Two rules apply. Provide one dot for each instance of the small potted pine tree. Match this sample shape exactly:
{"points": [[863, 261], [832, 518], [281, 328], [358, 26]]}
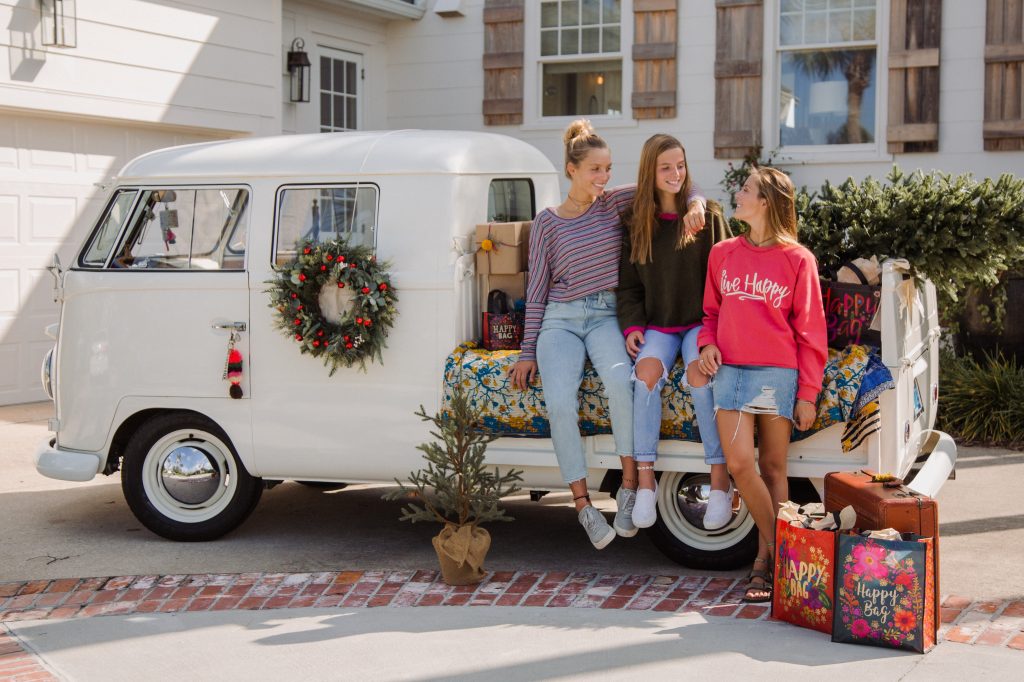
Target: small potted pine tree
{"points": [[455, 489]]}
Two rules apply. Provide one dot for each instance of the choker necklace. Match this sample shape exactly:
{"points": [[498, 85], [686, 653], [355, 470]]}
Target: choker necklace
{"points": [[760, 243], [580, 205]]}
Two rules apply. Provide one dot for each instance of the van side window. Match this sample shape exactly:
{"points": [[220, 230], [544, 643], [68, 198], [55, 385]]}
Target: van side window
{"points": [[95, 254], [510, 201], [187, 229], [320, 214]]}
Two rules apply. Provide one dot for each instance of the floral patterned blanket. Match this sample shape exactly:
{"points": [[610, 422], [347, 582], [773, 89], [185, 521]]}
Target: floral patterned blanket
{"points": [[854, 377]]}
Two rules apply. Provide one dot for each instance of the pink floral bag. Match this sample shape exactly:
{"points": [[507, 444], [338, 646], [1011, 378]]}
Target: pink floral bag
{"points": [[885, 592]]}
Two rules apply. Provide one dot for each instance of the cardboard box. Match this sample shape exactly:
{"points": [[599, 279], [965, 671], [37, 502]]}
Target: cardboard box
{"points": [[508, 253], [513, 285]]}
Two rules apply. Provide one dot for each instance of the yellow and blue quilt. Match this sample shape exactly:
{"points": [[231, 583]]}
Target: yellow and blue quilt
{"points": [[854, 378]]}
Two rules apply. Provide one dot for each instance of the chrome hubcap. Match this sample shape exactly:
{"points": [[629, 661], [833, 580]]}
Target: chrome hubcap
{"points": [[692, 500], [190, 475]]}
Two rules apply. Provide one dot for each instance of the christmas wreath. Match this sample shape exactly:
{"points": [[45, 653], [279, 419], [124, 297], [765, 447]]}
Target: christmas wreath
{"points": [[362, 330]]}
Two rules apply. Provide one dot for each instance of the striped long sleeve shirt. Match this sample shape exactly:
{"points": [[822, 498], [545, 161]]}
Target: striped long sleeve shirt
{"points": [[574, 257]]}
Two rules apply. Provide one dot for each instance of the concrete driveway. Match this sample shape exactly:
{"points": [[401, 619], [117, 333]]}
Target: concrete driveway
{"points": [[53, 529]]}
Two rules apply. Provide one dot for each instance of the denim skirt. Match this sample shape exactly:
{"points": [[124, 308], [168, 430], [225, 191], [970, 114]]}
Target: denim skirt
{"points": [[756, 389]]}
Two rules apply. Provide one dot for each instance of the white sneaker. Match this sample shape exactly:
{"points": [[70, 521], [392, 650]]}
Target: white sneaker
{"points": [[719, 509], [645, 509]]}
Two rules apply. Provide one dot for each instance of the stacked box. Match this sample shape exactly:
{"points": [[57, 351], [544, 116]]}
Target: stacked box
{"points": [[501, 248]]}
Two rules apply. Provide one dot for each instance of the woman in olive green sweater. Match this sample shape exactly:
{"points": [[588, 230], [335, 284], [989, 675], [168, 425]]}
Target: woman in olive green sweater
{"points": [[660, 308]]}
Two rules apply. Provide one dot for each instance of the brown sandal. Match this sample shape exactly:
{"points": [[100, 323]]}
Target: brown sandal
{"points": [[759, 584]]}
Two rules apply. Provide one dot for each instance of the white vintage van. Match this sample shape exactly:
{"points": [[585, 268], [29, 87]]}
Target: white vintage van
{"points": [[181, 256]]}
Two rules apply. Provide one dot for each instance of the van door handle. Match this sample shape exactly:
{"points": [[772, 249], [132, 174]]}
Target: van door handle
{"points": [[235, 326]]}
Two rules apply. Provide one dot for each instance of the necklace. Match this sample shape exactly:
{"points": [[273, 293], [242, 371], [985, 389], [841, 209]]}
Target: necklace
{"points": [[580, 205], [760, 243]]}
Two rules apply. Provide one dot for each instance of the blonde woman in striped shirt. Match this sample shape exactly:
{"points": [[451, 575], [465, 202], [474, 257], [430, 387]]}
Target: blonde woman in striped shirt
{"points": [[571, 315]]}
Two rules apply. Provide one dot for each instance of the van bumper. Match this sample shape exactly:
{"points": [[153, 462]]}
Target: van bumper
{"points": [[66, 465]]}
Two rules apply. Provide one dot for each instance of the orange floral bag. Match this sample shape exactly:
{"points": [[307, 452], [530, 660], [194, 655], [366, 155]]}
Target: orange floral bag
{"points": [[804, 576]]}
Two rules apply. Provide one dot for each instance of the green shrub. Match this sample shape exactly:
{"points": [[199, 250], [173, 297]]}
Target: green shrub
{"points": [[982, 401], [956, 231]]}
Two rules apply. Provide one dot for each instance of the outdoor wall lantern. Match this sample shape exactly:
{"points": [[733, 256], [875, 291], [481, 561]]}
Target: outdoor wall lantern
{"points": [[58, 22], [298, 71]]}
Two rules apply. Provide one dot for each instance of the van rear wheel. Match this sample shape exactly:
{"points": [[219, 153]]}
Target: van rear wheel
{"points": [[183, 480], [679, 530]]}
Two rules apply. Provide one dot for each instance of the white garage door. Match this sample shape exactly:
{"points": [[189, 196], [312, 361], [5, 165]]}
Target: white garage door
{"points": [[48, 198]]}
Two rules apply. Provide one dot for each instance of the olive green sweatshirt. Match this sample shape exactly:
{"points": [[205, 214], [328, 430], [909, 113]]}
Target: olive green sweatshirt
{"points": [[667, 293]]}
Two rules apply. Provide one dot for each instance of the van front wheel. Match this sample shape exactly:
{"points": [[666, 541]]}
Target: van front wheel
{"points": [[679, 530], [184, 481]]}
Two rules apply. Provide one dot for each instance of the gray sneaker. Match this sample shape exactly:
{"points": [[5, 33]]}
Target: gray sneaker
{"points": [[623, 522], [598, 530]]}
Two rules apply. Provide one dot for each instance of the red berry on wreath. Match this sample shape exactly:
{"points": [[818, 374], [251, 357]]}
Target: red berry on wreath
{"points": [[329, 258], [316, 343], [302, 277], [300, 307], [348, 345], [294, 295], [298, 337], [369, 322], [352, 265], [341, 285], [341, 259], [298, 321], [306, 250], [359, 320], [346, 338], [366, 290], [320, 333], [383, 286], [323, 268]]}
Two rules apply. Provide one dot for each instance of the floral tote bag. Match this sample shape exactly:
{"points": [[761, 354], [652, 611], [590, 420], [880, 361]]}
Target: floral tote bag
{"points": [[804, 576]]}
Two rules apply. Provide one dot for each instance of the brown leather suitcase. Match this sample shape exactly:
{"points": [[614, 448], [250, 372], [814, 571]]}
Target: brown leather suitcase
{"points": [[882, 505]]}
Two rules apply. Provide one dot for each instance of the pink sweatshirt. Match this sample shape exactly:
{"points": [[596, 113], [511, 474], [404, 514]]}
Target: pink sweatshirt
{"points": [[762, 306]]}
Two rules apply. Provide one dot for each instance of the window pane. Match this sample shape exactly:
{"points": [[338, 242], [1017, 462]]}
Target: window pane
{"points": [[791, 29], [549, 43], [864, 24], [325, 73], [325, 109], [160, 233], [339, 112], [570, 12], [815, 27], [322, 214], [577, 88], [107, 230], [839, 4], [611, 11], [510, 201], [815, 4], [219, 229], [570, 41], [339, 76], [839, 28], [827, 97], [548, 14], [611, 40], [351, 113], [591, 13], [590, 40], [864, 3], [792, 5], [350, 78]]}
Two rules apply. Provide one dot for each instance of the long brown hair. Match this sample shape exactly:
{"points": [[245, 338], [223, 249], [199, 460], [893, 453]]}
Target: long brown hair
{"points": [[643, 218], [579, 139], [777, 190]]}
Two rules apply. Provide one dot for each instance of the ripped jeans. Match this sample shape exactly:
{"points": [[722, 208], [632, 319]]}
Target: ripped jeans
{"points": [[756, 389], [647, 402]]}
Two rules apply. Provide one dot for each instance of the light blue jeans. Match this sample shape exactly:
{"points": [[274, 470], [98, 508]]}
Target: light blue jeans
{"points": [[647, 402], [572, 331]]}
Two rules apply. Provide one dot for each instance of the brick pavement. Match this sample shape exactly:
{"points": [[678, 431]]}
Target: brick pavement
{"points": [[972, 622]]}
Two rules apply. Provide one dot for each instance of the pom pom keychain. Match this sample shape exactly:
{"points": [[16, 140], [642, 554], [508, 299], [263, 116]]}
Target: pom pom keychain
{"points": [[233, 368]]}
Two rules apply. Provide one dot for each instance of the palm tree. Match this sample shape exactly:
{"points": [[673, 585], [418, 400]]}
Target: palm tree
{"points": [[855, 66]]}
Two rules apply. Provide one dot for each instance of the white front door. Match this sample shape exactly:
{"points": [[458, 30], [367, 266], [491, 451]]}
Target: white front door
{"points": [[341, 90]]}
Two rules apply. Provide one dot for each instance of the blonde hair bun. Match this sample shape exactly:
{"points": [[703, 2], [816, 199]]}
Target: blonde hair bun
{"points": [[581, 127]]}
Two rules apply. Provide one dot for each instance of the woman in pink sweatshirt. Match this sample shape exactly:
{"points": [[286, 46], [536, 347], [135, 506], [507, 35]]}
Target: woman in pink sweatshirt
{"points": [[764, 342]]}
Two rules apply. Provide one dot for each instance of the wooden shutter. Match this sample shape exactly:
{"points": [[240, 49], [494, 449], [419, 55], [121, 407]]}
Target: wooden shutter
{"points": [[503, 62], [654, 58], [739, 42], [914, 30], [1004, 69]]}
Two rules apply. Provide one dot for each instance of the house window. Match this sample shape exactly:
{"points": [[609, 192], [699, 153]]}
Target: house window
{"points": [[581, 57], [340, 76], [827, 61]]}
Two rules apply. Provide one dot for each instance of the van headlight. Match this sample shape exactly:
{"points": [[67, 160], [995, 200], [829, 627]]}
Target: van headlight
{"points": [[46, 373]]}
